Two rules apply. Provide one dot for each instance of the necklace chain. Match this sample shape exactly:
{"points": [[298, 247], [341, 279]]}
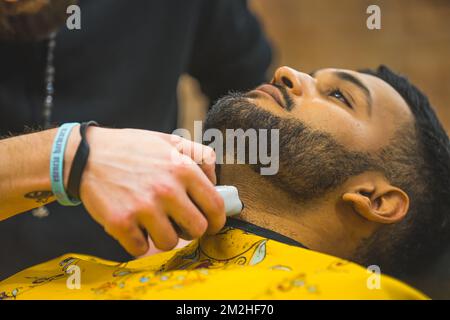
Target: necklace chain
{"points": [[47, 109], [49, 81]]}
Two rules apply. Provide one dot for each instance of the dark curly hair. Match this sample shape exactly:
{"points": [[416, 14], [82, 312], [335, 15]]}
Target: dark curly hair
{"points": [[419, 162]]}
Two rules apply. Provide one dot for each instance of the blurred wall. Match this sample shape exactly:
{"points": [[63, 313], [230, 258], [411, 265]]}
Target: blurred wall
{"points": [[414, 40]]}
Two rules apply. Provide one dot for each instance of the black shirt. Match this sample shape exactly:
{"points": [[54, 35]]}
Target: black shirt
{"points": [[121, 69]]}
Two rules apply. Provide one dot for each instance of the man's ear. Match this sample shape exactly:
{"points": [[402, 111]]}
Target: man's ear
{"points": [[375, 199]]}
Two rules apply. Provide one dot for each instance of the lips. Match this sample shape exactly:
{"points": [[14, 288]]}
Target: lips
{"points": [[273, 92]]}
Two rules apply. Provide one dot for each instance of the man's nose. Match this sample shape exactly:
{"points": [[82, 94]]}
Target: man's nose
{"points": [[297, 83]]}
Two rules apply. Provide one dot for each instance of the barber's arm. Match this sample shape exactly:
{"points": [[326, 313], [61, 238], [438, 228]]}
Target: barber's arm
{"points": [[133, 180], [230, 50]]}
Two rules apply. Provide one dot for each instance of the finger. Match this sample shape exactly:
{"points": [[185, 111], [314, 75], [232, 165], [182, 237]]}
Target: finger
{"points": [[160, 230], [207, 199], [208, 164], [130, 236], [153, 250], [186, 215], [204, 156]]}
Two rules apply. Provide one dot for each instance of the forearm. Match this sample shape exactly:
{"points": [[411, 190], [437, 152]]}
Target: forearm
{"points": [[25, 171], [133, 180]]}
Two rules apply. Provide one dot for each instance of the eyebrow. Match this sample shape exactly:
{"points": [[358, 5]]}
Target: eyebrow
{"points": [[350, 78]]}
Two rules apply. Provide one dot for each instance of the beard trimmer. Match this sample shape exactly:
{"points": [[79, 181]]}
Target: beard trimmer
{"points": [[233, 206], [230, 196]]}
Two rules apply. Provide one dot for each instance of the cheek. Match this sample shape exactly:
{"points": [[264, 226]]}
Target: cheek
{"points": [[344, 126]]}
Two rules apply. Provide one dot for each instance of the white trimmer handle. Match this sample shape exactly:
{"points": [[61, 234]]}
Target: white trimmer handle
{"points": [[230, 195]]}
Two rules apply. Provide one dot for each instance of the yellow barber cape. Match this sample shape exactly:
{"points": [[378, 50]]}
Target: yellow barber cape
{"points": [[234, 264]]}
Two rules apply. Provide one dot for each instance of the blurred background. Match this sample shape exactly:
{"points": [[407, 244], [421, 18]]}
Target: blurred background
{"points": [[414, 40]]}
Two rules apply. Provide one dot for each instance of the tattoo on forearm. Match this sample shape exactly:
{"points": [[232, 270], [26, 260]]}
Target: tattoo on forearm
{"points": [[41, 197]]}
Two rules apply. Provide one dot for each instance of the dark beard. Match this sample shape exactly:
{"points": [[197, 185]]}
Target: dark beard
{"points": [[16, 25], [311, 162]]}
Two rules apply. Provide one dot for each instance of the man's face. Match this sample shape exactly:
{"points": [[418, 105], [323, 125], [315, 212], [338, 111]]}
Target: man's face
{"points": [[30, 20], [331, 124], [360, 111]]}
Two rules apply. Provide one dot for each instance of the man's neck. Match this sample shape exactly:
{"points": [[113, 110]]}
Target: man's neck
{"points": [[272, 208]]}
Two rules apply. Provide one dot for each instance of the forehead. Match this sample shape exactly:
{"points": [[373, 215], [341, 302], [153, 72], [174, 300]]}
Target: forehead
{"points": [[386, 101]]}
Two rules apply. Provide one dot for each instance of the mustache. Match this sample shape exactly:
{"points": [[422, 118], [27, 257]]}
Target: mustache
{"points": [[289, 102], [286, 100]]}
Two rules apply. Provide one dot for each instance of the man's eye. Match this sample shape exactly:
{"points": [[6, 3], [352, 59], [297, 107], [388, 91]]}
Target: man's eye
{"points": [[338, 95]]}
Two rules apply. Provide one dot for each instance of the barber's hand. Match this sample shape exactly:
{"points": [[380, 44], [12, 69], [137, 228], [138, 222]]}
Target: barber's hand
{"points": [[138, 180]]}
